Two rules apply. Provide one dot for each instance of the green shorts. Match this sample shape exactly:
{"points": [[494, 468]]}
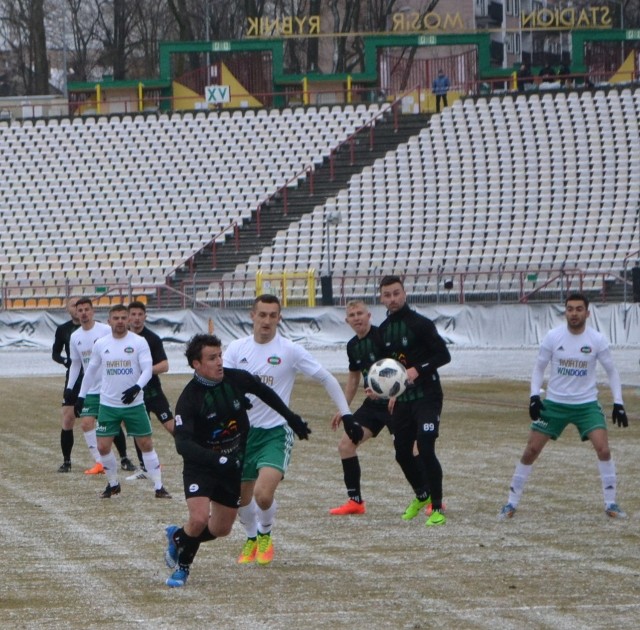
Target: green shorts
{"points": [[555, 417], [136, 421], [267, 447], [91, 406]]}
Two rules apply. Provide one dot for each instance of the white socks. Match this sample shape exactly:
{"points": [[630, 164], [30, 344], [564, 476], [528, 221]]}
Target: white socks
{"points": [[248, 518], [92, 442], [110, 464], [152, 464], [608, 478], [253, 519], [518, 481]]}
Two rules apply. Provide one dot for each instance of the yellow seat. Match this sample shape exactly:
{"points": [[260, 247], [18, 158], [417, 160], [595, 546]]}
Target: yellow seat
{"points": [[43, 302], [141, 298], [103, 300], [16, 303], [31, 303], [55, 302]]}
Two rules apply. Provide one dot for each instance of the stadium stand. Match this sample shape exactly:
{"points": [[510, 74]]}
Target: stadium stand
{"points": [[99, 201], [511, 184]]}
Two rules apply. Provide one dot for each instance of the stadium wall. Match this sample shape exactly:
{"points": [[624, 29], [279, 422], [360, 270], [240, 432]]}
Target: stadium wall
{"points": [[496, 326]]}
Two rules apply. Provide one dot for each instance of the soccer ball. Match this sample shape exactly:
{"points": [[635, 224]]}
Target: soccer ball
{"points": [[387, 378]]}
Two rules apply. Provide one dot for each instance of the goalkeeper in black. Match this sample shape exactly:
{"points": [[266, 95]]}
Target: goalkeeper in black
{"points": [[211, 428], [413, 340]]}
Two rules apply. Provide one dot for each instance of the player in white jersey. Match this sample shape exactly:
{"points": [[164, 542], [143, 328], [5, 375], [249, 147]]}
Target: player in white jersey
{"points": [[276, 361], [121, 363], [573, 351], [80, 347]]}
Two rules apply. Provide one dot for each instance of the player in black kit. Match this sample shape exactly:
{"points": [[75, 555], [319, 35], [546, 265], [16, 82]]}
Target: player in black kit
{"points": [[211, 431], [364, 349], [60, 354], [155, 400], [413, 340]]}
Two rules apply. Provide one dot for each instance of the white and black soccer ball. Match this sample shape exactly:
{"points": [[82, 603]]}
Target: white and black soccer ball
{"points": [[387, 378]]}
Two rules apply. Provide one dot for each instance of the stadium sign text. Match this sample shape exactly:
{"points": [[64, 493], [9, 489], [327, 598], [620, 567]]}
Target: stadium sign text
{"points": [[591, 17], [215, 94], [412, 22], [288, 26]]}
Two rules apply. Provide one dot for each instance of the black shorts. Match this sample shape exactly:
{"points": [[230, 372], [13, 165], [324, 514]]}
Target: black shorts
{"points": [[201, 481], [159, 406], [374, 416], [417, 417]]}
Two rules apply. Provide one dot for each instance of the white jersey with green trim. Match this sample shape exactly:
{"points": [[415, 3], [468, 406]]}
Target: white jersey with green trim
{"points": [[573, 359], [277, 363], [81, 345], [120, 363]]}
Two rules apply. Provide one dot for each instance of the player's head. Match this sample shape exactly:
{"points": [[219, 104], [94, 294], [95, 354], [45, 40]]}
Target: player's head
{"points": [[204, 355], [265, 315], [392, 293], [576, 312], [119, 320], [358, 317], [84, 311], [137, 316], [71, 308]]}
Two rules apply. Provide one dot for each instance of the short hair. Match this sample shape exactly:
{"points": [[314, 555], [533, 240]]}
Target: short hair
{"points": [[84, 300], [354, 303], [577, 297], [137, 304], [389, 280], [267, 298], [116, 308], [195, 345]]}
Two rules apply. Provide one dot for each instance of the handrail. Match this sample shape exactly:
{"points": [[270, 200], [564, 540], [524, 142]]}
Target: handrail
{"points": [[307, 169]]}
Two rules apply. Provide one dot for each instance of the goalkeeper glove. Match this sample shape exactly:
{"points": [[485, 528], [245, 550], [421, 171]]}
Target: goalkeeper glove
{"points": [[535, 407], [129, 395], [352, 428], [619, 416], [299, 426]]}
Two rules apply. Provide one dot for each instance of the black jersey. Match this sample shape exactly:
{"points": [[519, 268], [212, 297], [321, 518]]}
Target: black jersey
{"points": [[413, 340], [153, 387], [61, 343], [211, 418], [363, 353]]}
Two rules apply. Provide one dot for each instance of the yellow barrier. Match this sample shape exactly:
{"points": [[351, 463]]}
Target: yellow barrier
{"points": [[283, 277]]}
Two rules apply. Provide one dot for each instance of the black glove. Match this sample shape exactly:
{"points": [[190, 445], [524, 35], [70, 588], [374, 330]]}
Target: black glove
{"points": [[299, 426], [228, 463], [69, 397], [129, 395], [619, 416], [352, 428], [535, 407], [77, 407]]}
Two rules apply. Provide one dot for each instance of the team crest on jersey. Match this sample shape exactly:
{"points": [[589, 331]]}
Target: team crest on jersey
{"points": [[236, 404], [405, 342], [274, 360], [372, 357], [244, 360], [128, 350], [585, 349]]}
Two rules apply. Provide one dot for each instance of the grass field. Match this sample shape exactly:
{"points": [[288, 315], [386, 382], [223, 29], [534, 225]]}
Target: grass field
{"points": [[71, 560]]}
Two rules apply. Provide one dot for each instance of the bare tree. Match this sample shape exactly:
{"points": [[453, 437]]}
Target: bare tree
{"points": [[27, 40]]}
